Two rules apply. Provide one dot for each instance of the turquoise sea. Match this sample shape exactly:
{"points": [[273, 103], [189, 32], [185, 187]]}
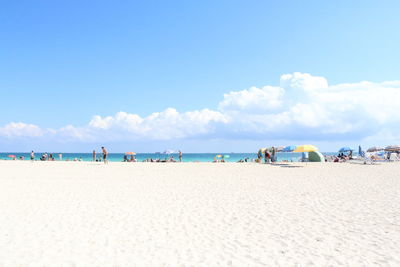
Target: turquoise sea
{"points": [[187, 157]]}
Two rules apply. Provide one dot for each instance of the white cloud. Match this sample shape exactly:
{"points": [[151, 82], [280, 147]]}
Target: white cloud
{"points": [[167, 124], [19, 129], [310, 107], [301, 107], [303, 81], [254, 99]]}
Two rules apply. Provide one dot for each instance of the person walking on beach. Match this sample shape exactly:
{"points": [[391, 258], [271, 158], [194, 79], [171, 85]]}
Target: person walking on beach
{"points": [[180, 156], [105, 154], [32, 155], [94, 155]]}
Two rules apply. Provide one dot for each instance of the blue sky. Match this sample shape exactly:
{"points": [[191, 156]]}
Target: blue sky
{"points": [[64, 62]]}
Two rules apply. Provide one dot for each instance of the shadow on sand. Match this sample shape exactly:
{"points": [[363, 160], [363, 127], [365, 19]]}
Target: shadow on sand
{"points": [[286, 165]]}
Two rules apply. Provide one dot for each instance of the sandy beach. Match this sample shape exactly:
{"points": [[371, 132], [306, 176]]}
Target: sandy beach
{"points": [[199, 214]]}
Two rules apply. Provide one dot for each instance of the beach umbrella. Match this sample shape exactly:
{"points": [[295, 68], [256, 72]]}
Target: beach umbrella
{"points": [[12, 156], [306, 148], [279, 148], [130, 153], [226, 156], [392, 148], [346, 149], [375, 148], [289, 148], [219, 156]]}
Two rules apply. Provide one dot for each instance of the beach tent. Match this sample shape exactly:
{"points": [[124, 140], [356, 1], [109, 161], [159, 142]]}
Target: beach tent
{"points": [[306, 148], [315, 156], [130, 153]]}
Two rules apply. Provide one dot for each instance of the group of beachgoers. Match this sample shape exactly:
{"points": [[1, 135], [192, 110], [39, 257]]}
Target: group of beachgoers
{"points": [[167, 159], [102, 157], [131, 157], [341, 157], [373, 156], [269, 155], [50, 157], [44, 157]]}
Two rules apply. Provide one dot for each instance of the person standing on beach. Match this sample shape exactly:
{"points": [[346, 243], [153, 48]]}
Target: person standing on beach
{"points": [[105, 154], [94, 155], [180, 156], [273, 155], [267, 156], [32, 155]]}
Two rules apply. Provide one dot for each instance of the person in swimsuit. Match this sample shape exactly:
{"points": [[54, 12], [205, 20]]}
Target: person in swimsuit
{"points": [[105, 154], [32, 155]]}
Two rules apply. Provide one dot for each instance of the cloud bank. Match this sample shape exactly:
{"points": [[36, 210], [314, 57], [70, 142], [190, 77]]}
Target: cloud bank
{"points": [[302, 107]]}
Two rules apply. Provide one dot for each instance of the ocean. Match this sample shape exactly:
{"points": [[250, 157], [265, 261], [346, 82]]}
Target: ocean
{"points": [[187, 157]]}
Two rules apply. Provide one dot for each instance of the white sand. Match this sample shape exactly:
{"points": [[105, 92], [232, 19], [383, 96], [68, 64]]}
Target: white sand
{"points": [[198, 214]]}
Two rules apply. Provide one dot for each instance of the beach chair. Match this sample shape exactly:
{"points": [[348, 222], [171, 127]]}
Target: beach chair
{"points": [[377, 158], [362, 158], [394, 157]]}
